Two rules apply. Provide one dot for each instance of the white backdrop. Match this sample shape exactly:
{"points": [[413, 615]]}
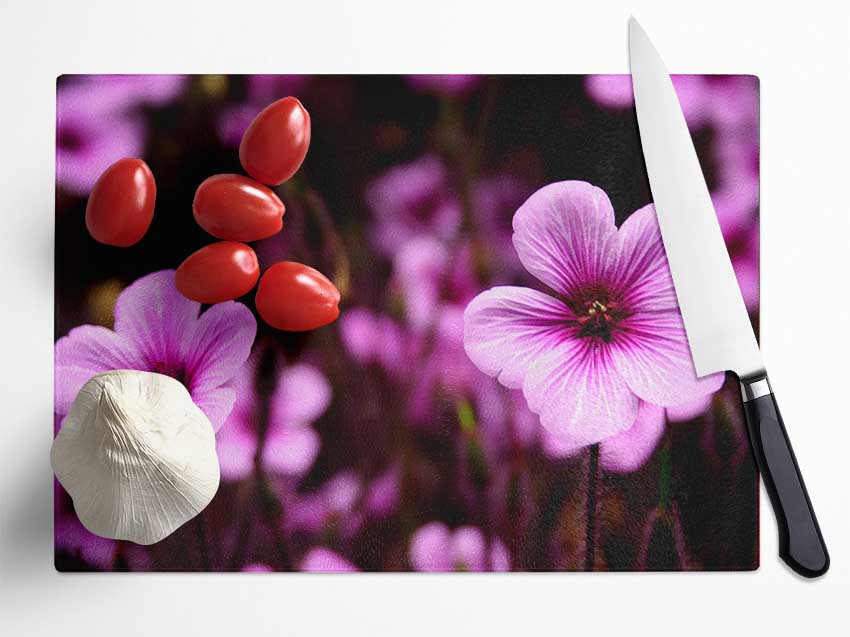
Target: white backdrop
{"points": [[803, 58]]}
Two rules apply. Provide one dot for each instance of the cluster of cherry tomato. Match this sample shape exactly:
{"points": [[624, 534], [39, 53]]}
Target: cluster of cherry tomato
{"points": [[236, 209]]}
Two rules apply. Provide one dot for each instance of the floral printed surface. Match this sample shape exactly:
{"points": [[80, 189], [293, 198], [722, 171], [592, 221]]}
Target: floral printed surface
{"points": [[508, 386]]}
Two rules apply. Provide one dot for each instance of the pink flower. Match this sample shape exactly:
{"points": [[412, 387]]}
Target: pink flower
{"points": [[98, 122], [434, 548], [375, 338], [623, 453], [629, 450], [412, 200], [322, 560], [157, 329], [384, 492], [335, 506], [613, 335], [615, 92], [301, 396]]}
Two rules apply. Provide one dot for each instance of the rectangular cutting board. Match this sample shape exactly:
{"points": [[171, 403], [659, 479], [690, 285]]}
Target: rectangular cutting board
{"points": [[421, 431]]}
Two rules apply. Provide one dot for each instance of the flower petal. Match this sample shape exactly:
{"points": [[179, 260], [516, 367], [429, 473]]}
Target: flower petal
{"points": [[469, 549], [641, 270], [322, 560], [652, 355], [301, 396], [564, 235], [215, 402], [291, 450], [629, 450], [507, 328], [156, 318], [88, 350], [70, 535], [430, 548], [218, 344], [236, 446], [578, 392], [690, 410]]}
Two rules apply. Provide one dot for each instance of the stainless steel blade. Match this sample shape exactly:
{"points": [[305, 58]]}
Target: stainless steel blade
{"points": [[719, 331]]}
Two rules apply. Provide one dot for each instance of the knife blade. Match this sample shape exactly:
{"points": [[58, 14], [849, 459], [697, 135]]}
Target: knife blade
{"points": [[719, 332]]}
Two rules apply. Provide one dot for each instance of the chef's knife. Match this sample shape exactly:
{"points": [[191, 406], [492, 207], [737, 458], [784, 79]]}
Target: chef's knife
{"points": [[719, 331]]}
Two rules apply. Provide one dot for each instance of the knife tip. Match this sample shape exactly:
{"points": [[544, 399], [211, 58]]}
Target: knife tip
{"points": [[634, 27]]}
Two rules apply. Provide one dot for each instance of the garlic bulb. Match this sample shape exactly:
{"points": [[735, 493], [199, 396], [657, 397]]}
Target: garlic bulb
{"points": [[136, 455]]}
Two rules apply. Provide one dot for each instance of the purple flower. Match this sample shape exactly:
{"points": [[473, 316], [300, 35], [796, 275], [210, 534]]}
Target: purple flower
{"points": [[372, 338], [629, 450], [436, 548], [322, 560], [495, 199], [384, 492], [98, 123], [615, 92], [302, 395], [419, 272], [613, 335], [333, 507], [448, 85], [625, 452], [444, 370], [157, 329], [412, 200]]}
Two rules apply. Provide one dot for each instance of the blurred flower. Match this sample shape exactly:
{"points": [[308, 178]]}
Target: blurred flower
{"points": [[71, 537], [412, 201], [157, 329], [504, 419], [261, 90], [419, 270], [333, 508], [434, 547], [98, 122], [444, 369], [290, 445], [384, 492], [448, 85], [322, 560], [615, 92], [613, 338], [732, 101], [375, 338], [736, 200], [495, 199]]}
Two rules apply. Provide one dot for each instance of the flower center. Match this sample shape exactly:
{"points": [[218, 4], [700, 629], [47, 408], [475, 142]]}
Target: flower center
{"points": [[599, 319], [178, 371]]}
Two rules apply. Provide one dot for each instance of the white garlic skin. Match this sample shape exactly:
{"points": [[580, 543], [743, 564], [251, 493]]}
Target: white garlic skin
{"points": [[136, 455]]}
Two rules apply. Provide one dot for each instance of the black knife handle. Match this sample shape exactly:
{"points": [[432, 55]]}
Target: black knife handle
{"points": [[801, 544]]}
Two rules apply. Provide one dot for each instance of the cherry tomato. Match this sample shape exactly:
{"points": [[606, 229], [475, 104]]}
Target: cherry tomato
{"points": [[276, 142], [296, 298], [120, 207], [218, 272], [237, 208]]}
